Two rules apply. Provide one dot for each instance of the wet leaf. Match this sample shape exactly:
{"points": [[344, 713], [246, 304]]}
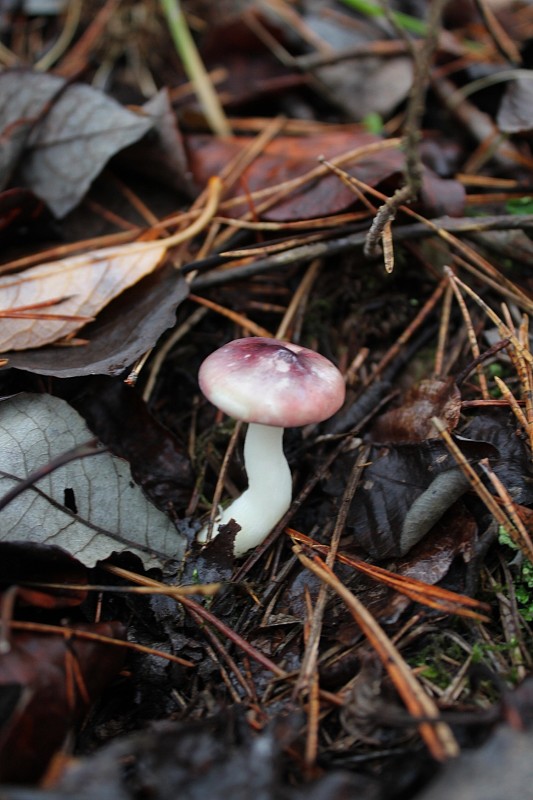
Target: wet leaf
{"points": [[89, 507], [405, 490], [56, 679], [24, 562], [20, 112], [59, 136], [160, 155], [254, 74], [370, 85], [288, 157], [513, 465], [128, 327], [411, 422], [441, 196], [121, 420], [77, 287], [453, 536]]}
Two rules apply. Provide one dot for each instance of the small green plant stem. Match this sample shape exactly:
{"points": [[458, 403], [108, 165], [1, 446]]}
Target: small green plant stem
{"points": [[405, 21], [194, 67]]}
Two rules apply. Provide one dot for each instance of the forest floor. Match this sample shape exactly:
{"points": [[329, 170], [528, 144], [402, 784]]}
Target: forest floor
{"points": [[350, 177]]}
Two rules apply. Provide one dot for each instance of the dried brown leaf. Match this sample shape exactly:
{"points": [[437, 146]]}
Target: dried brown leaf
{"points": [[78, 286]]}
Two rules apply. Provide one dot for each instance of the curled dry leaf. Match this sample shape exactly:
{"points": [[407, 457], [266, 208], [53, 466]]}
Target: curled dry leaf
{"points": [[77, 287]]}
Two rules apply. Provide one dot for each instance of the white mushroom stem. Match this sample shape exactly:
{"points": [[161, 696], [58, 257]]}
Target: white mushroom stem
{"points": [[269, 491]]}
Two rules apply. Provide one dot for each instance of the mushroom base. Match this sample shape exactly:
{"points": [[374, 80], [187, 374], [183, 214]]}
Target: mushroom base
{"points": [[269, 491]]}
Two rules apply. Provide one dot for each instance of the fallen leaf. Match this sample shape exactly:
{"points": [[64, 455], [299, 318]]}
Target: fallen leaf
{"points": [[370, 85], [128, 327], [497, 428], [120, 418], [79, 286], [515, 114], [57, 137], [412, 420], [19, 113], [289, 157], [112, 514], [22, 563], [56, 678], [160, 155], [253, 74], [405, 490]]}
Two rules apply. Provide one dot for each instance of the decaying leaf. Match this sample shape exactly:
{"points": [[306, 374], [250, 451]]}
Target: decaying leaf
{"points": [[52, 681], [378, 84], [405, 490], [121, 419], [111, 513], [79, 286], [289, 157], [286, 157], [411, 422], [24, 563], [56, 137]]}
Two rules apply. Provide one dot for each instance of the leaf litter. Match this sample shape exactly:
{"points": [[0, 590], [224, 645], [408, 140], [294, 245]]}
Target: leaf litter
{"points": [[282, 667]]}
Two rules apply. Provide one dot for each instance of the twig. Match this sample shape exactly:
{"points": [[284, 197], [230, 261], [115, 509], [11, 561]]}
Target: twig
{"points": [[66, 36], [73, 633], [474, 346], [499, 514], [415, 109], [442, 226], [433, 596], [239, 319], [159, 358], [310, 656], [505, 45], [205, 615], [443, 332]]}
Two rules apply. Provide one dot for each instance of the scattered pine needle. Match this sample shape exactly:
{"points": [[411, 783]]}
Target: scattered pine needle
{"points": [[437, 735], [432, 596]]}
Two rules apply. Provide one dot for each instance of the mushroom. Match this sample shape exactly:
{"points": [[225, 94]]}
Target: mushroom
{"points": [[271, 385]]}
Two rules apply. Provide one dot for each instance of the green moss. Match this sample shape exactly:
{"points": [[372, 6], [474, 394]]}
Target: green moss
{"points": [[523, 580]]}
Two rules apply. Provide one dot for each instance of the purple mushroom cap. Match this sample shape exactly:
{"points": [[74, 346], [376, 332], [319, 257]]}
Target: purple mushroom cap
{"points": [[272, 382]]}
